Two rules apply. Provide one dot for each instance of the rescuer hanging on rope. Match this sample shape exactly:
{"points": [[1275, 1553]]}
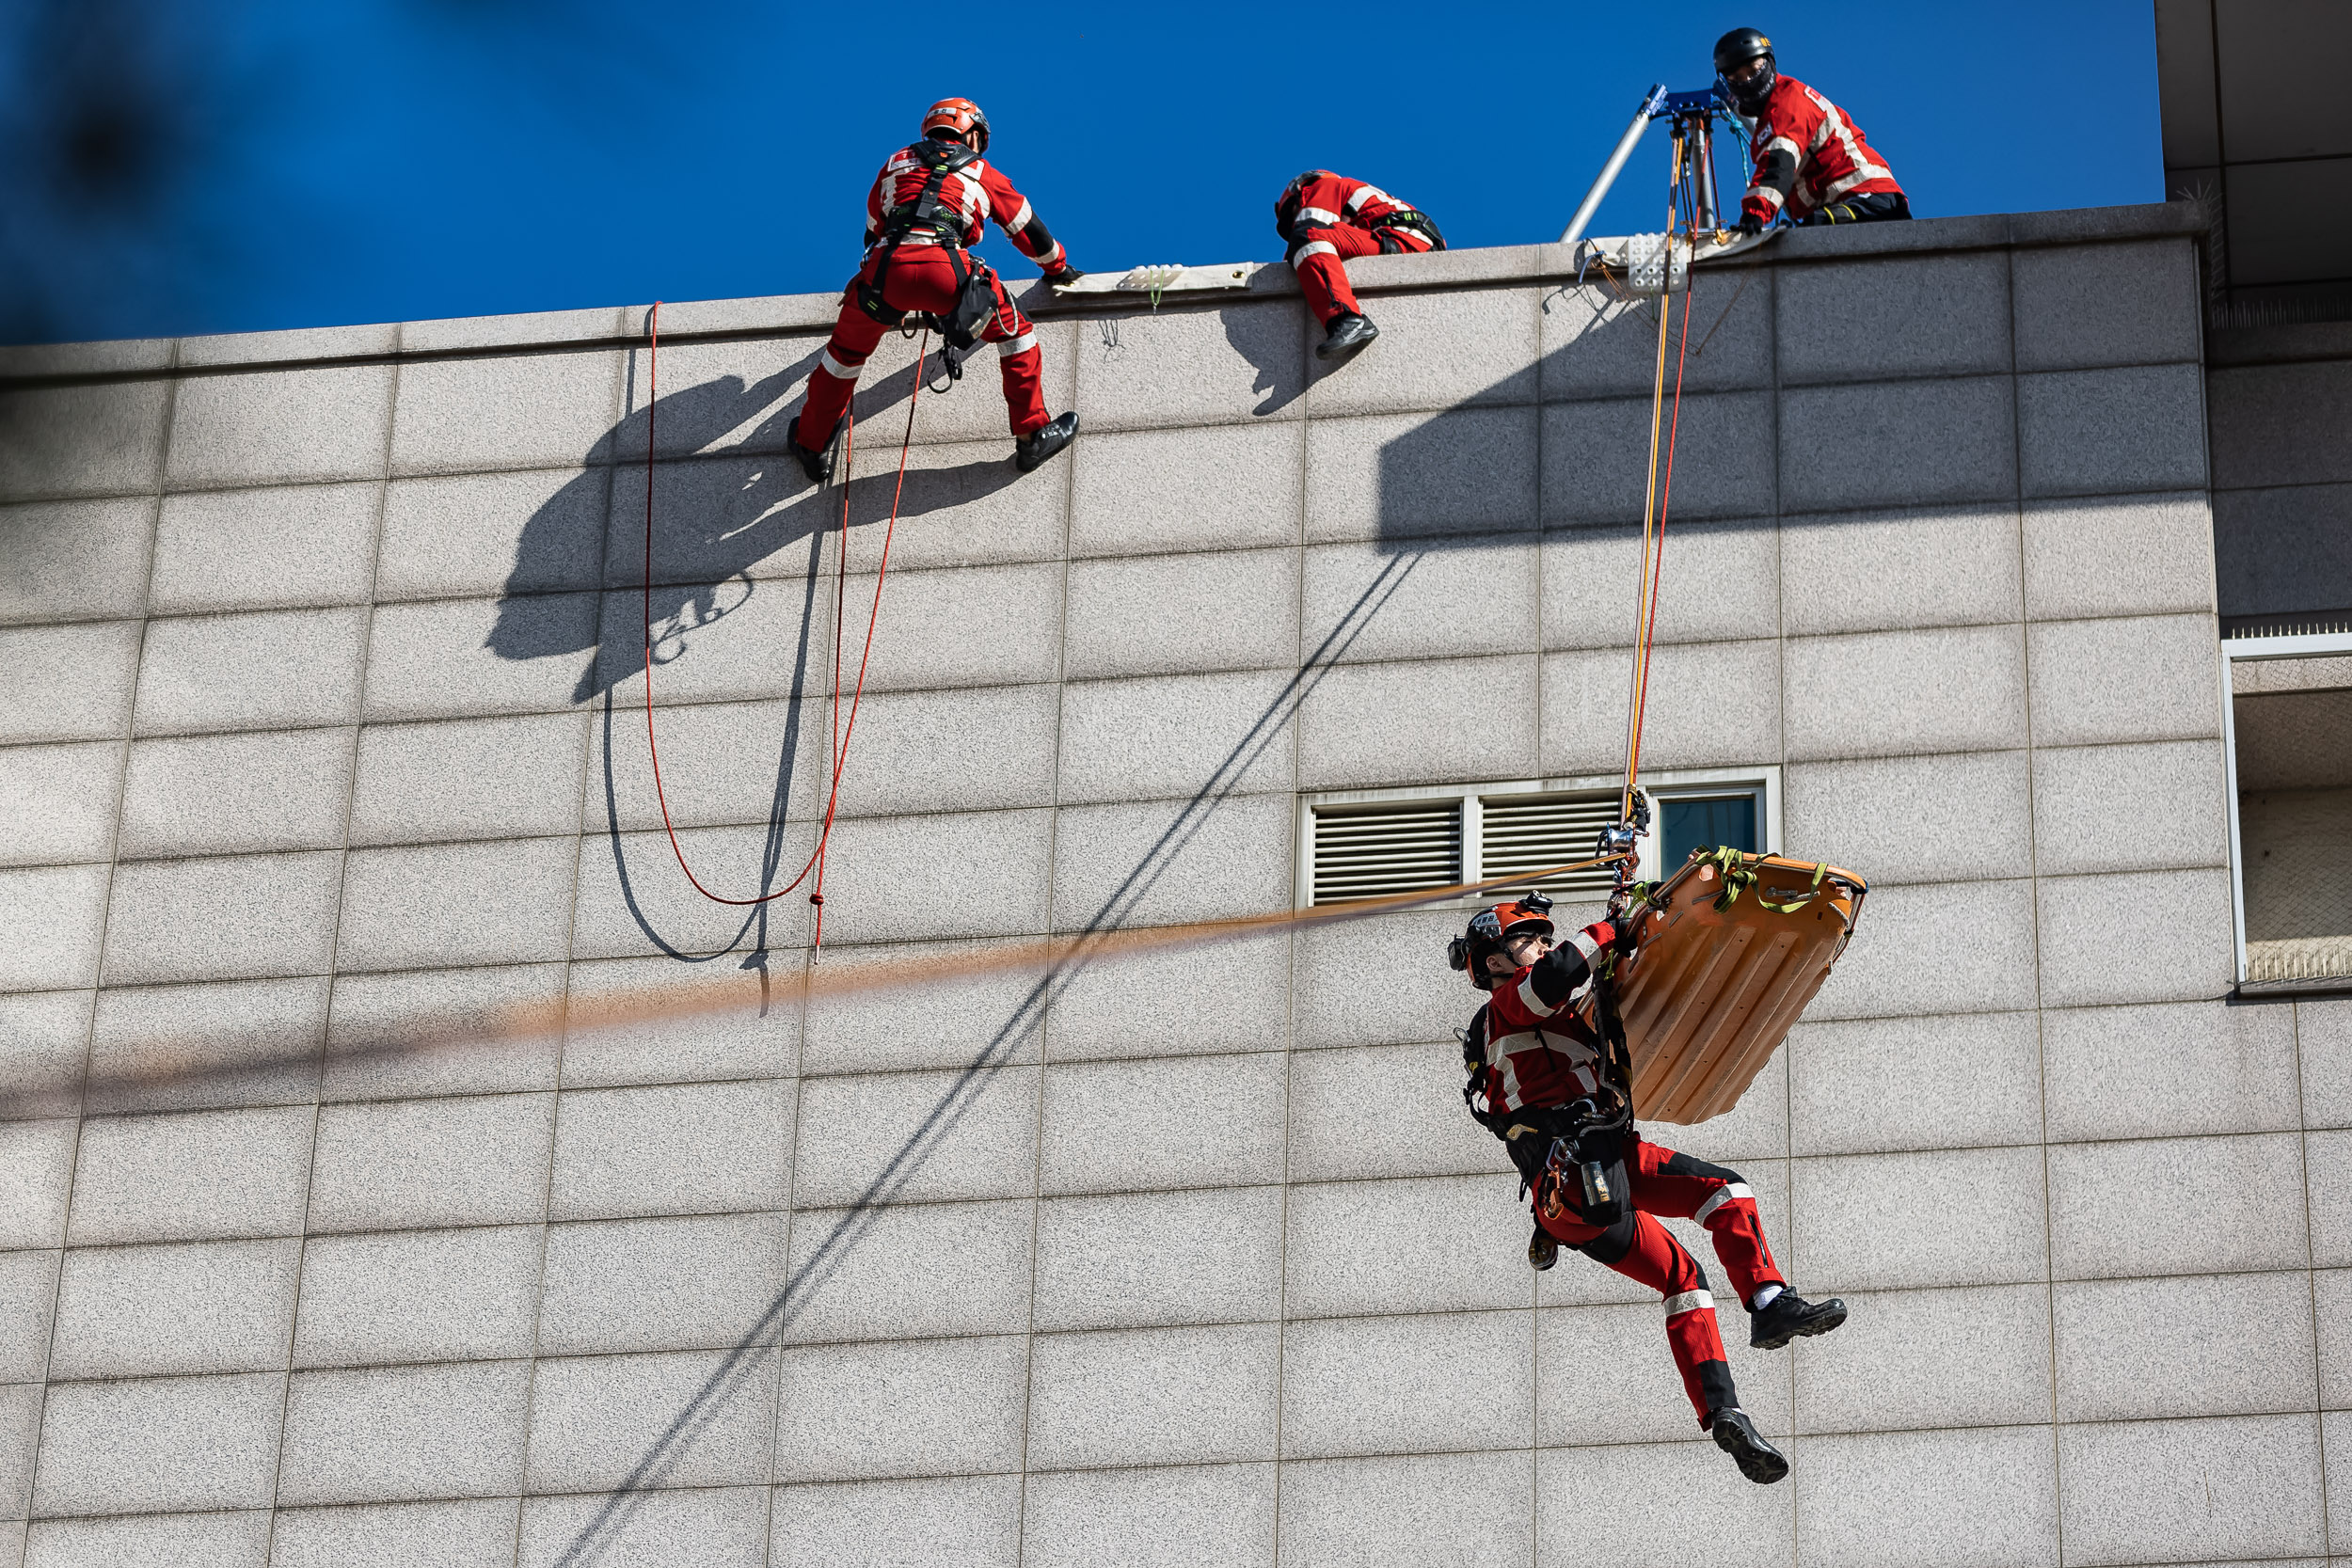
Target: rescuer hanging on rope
{"points": [[1811, 160], [1325, 218], [929, 204], [1556, 1093]]}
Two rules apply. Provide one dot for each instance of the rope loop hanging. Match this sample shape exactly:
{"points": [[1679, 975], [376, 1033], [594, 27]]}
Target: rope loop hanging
{"points": [[843, 729]]}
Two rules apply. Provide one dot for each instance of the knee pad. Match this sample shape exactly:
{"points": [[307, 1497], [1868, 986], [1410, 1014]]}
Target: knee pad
{"points": [[1683, 1164], [1611, 1245]]}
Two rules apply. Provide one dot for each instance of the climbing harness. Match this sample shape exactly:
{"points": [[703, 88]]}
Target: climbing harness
{"points": [[842, 730]]}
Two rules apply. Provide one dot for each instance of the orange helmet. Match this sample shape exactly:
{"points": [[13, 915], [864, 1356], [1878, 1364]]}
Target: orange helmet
{"points": [[1490, 929], [962, 116]]}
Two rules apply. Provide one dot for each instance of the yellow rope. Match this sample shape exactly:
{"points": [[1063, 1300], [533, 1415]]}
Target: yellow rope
{"points": [[1639, 697]]}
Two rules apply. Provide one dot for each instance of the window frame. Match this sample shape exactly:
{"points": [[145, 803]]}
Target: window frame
{"points": [[2259, 650], [1763, 782]]}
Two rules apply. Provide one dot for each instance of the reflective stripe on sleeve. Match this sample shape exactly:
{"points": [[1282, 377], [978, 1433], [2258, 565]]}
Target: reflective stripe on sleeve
{"points": [[1533, 1002], [1839, 188], [1689, 1301], [1370, 193], [1323, 217], [1314, 248], [1729, 1191], [1021, 219]]}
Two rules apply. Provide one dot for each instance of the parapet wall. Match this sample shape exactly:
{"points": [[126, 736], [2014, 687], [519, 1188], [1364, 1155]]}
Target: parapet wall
{"points": [[327, 656]]}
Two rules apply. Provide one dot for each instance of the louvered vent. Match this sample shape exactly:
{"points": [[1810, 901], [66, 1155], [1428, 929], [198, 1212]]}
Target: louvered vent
{"points": [[1526, 833], [1364, 852]]}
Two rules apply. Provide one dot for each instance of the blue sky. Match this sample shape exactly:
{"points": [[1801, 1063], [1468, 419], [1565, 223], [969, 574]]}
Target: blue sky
{"points": [[368, 160]]}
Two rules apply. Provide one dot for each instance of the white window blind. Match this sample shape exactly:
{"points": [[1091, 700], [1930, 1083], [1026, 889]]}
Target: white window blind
{"points": [[1364, 843], [1364, 852], [1527, 833]]}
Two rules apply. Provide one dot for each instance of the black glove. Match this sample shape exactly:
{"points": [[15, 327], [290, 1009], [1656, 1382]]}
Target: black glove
{"points": [[1065, 277], [1751, 224]]}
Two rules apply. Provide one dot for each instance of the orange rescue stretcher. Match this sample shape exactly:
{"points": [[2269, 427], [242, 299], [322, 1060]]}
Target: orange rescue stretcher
{"points": [[1726, 953]]}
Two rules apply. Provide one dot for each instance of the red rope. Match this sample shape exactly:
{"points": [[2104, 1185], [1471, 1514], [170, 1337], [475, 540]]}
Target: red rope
{"points": [[842, 730]]}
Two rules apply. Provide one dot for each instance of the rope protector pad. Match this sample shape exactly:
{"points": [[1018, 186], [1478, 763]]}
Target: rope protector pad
{"points": [[1657, 263], [1725, 954], [1169, 278]]}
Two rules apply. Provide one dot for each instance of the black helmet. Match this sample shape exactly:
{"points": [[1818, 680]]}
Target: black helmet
{"points": [[1490, 929], [1734, 50]]}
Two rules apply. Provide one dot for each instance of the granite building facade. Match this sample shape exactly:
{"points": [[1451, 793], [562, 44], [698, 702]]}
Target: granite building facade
{"points": [[327, 658]]}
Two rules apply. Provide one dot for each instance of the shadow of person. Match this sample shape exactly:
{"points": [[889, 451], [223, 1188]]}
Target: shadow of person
{"points": [[718, 513], [1275, 346], [729, 512]]}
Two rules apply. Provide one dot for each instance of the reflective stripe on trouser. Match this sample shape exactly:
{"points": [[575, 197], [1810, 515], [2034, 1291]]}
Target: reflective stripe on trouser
{"points": [[1319, 257], [1677, 1185], [1664, 1182], [1640, 1248], [922, 278]]}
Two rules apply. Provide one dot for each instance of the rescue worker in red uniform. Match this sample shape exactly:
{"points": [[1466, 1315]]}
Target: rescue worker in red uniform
{"points": [[1325, 218], [1811, 160], [931, 203], [1555, 1097]]}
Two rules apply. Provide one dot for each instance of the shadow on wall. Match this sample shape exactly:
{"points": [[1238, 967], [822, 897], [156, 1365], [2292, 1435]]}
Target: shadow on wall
{"points": [[710, 1402], [719, 512], [1477, 475]]}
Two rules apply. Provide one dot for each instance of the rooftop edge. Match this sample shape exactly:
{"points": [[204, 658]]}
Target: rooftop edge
{"points": [[785, 314]]}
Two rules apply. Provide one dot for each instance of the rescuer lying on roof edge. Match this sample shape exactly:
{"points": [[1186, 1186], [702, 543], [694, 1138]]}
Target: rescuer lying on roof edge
{"points": [[1557, 1099], [929, 204], [1811, 160], [1325, 218]]}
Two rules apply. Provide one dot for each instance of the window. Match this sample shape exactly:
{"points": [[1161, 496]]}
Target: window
{"points": [[2290, 744], [1704, 822], [1365, 843]]}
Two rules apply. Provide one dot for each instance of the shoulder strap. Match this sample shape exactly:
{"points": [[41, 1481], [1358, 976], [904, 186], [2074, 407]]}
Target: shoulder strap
{"points": [[943, 159]]}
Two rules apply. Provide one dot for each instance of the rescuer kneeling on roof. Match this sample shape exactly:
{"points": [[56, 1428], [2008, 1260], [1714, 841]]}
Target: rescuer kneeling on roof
{"points": [[1325, 218], [1559, 1101], [1811, 160], [929, 204]]}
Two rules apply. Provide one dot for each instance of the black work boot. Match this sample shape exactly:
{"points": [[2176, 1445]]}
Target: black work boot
{"points": [[817, 465], [1044, 442], [1347, 331], [1789, 1316], [1737, 1435], [1543, 1249]]}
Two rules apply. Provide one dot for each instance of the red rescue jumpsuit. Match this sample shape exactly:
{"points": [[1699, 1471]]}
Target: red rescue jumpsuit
{"points": [[922, 271], [1809, 156], [1326, 218], [1540, 1055]]}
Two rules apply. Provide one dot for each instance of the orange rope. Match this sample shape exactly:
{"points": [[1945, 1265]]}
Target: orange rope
{"points": [[159, 1063], [1656, 500]]}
